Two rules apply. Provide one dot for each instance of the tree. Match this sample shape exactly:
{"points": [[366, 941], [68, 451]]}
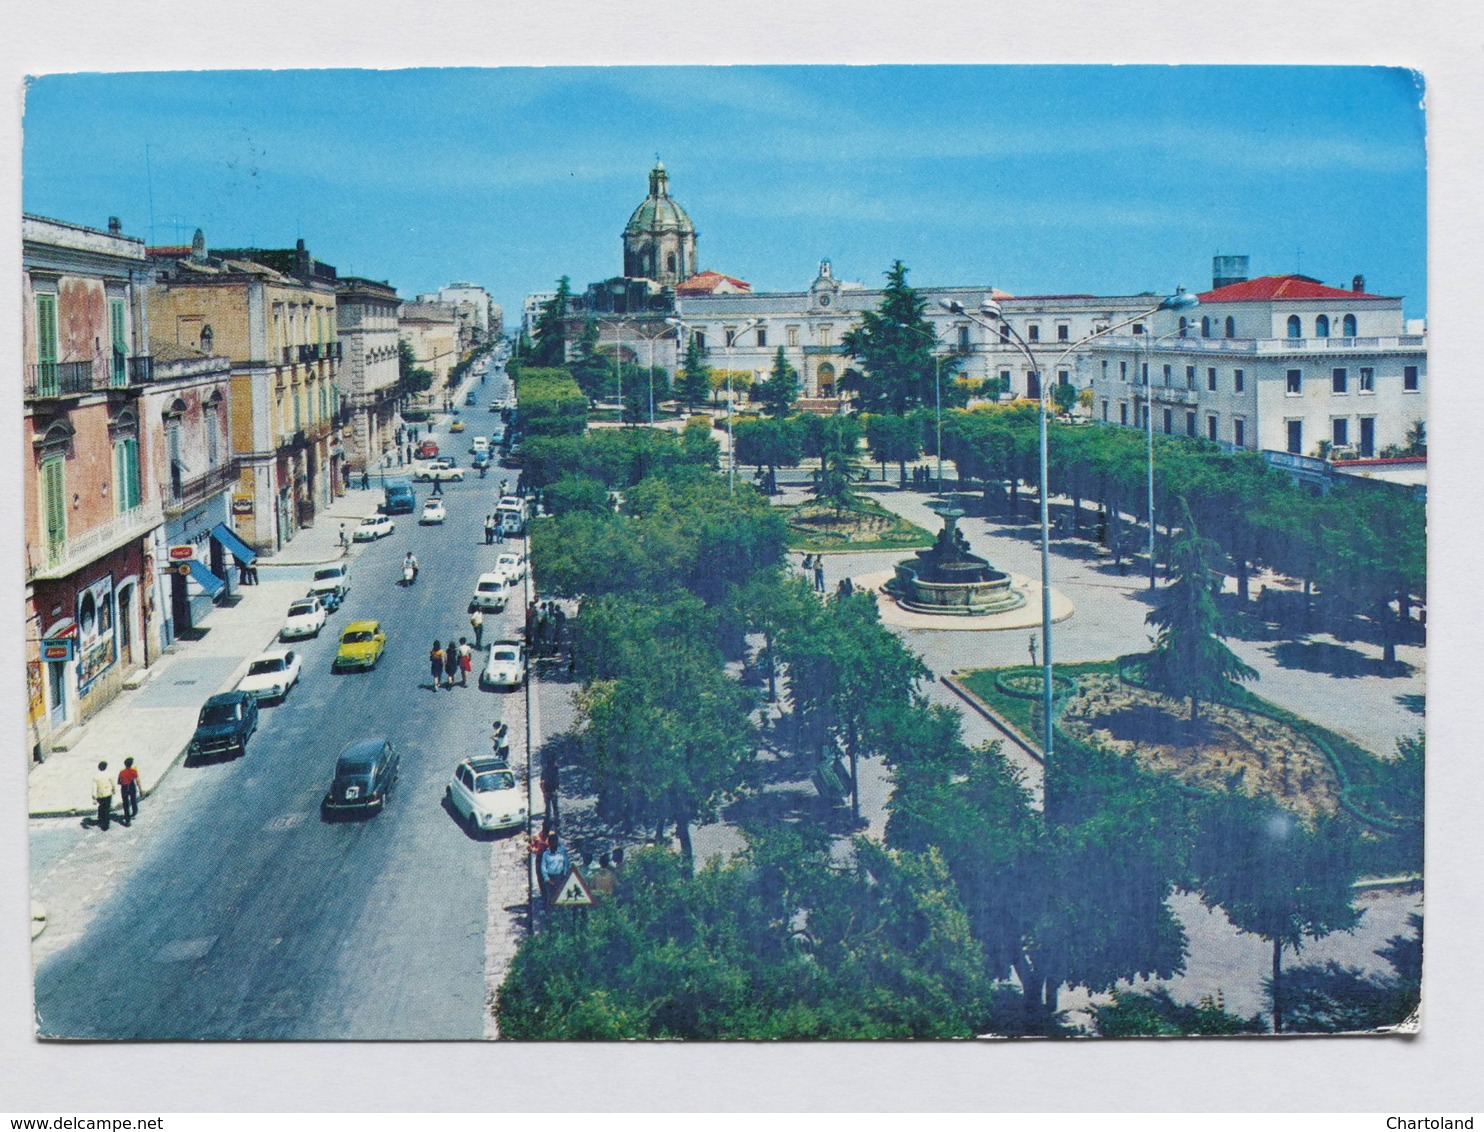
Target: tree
{"points": [[414, 378], [1190, 659], [894, 439], [592, 369], [779, 392], [1155, 1013], [1332, 999], [1064, 394], [1275, 877], [551, 404], [770, 444], [894, 344], [550, 348], [836, 439], [694, 386], [577, 493]]}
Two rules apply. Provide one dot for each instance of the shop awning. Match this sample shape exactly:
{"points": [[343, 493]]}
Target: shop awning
{"points": [[205, 578], [228, 538]]}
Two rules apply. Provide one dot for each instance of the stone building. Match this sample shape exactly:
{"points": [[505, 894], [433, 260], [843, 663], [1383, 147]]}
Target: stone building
{"points": [[370, 366], [659, 241], [432, 330]]}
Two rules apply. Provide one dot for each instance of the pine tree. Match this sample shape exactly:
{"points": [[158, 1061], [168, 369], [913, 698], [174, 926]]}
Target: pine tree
{"points": [[695, 376], [779, 392], [894, 344], [551, 334]]}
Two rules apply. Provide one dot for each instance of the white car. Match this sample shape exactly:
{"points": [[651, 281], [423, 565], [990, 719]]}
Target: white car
{"points": [[272, 674], [491, 592], [511, 503], [481, 444], [374, 527], [512, 565], [306, 618], [440, 467], [507, 665], [486, 794], [433, 511]]}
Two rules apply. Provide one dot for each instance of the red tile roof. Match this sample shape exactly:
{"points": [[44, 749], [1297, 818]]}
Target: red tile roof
{"points": [[177, 250], [1271, 287], [706, 282]]}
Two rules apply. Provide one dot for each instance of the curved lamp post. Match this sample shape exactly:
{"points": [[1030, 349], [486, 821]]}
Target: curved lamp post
{"points": [[617, 362], [1149, 343], [651, 338], [731, 342], [989, 312]]}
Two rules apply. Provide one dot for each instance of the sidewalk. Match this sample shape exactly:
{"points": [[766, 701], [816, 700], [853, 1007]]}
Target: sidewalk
{"points": [[154, 722]]}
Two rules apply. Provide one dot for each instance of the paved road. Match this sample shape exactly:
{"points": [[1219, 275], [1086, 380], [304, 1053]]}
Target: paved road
{"points": [[230, 910]]}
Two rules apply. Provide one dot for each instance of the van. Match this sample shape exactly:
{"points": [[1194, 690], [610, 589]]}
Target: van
{"points": [[399, 499]]}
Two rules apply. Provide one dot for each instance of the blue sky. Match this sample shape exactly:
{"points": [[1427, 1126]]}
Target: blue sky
{"points": [[1044, 179]]}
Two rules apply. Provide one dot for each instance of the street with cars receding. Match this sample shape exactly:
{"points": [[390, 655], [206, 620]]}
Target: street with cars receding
{"points": [[241, 911]]}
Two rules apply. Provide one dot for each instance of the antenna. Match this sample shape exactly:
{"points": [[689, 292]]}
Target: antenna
{"points": [[149, 181]]}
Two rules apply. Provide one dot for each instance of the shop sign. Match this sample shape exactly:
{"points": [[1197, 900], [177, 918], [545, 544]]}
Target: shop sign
{"points": [[182, 553], [242, 505], [56, 648]]}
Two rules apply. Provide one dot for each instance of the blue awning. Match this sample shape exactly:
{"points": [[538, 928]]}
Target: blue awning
{"points": [[205, 578], [228, 538]]}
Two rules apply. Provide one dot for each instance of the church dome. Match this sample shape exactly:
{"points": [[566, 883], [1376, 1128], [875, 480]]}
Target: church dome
{"points": [[658, 212]]}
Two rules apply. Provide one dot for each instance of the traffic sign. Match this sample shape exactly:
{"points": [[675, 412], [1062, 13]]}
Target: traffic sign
{"points": [[574, 892]]}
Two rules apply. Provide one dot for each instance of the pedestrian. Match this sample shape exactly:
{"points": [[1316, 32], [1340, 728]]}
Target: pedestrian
{"points": [[555, 864], [129, 792], [807, 564], [551, 781], [437, 484], [242, 573], [489, 530], [819, 573], [435, 662], [451, 661], [343, 543], [602, 882], [500, 533], [103, 794], [559, 626], [252, 573], [476, 622], [365, 479], [617, 858], [466, 661]]}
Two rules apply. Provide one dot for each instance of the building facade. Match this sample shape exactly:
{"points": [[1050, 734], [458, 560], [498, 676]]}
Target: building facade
{"points": [[90, 507], [279, 330], [659, 241], [432, 330], [370, 368]]}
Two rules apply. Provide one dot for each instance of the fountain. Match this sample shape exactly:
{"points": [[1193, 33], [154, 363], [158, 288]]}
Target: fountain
{"points": [[949, 581]]}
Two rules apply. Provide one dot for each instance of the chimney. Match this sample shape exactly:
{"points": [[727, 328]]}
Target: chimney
{"points": [[1228, 269], [114, 227], [1358, 284]]}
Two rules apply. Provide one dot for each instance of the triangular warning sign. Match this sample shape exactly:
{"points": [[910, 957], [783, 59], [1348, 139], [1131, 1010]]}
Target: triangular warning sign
{"points": [[574, 892]]}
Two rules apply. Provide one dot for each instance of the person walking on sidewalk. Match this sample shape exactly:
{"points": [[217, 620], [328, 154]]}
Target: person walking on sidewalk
{"points": [[435, 661], [466, 661], [489, 530], [551, 782], [819, 573], [476, 622], [103, 794], [129, 792]]}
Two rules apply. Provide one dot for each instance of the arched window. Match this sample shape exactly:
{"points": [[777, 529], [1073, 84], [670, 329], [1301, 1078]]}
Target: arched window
{"points": [[1321, 326], [670, 263], [1231, 327], [1184, 326], [1349, 326], [1295, 327], [1205, 326], [207, 339]]}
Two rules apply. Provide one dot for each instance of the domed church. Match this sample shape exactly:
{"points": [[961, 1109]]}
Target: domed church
{"points": [[659, 241]]}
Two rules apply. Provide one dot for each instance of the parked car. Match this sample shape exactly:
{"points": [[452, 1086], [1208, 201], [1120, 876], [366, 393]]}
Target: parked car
{"points": [[486, 795], [491, 592], [512, 565], [272, 675], [373, 527], [506, 667], [306, 617], [433, 511], [225, 724], [469, 398], [331, 585], [481, 444], [361, 646], [365, 772], [442, 467], [426, 450]]}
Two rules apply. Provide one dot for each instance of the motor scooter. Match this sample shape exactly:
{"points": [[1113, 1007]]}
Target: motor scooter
{"points": [[409, 573]]}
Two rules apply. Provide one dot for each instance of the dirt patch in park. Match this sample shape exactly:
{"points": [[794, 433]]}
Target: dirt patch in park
{"points": [[1230, 749], [867, 526]]}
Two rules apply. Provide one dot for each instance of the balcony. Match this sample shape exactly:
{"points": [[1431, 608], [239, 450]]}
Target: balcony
{"points": [[67, 555], [141, 369], [59, 379], [182, 494]]}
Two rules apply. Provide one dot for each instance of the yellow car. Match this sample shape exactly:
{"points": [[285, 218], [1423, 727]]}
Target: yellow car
{"points": [[457, 426], [361, 646]]}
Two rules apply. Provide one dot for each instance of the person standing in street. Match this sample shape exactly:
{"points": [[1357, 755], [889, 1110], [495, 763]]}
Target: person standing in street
{"points": [[819, 573], [437, 483], [103, 794], [551, 782], [435, 661], [555, 864], [129, 792], [489, 530], [451, 661], [466, 661], [476, 622]]}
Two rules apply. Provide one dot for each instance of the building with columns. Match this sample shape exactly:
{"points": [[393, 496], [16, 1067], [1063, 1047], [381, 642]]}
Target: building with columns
{"points": [[370, 366]]}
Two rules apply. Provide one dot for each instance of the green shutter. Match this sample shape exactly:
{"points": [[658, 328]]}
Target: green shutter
{"points": [[46, 345], [126, 473], [120, 341], [53, 492]]}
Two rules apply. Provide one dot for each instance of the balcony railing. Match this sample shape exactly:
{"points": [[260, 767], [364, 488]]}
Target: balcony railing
{"points": [[1198, 345], [179, 495], [141, 369], [59, 379], [62, 556]]}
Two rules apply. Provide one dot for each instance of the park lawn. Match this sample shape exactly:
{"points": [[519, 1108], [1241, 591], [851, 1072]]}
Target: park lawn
{"points": [[809, 523], [1022, 713]]}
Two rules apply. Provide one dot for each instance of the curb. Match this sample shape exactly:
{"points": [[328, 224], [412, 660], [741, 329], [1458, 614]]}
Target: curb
{"points": [[999, 723]]}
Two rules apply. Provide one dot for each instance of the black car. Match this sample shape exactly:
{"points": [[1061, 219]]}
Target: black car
{"points": [[365, 773], [224, 726]]}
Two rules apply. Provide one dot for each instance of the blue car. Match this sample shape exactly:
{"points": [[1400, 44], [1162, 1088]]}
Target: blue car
{"points": [[481, 461]]}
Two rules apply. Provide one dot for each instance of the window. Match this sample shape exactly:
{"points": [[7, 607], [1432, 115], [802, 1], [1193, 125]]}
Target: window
{"points": [[1239, 433], [208, 339], [54, 505], [1033, 385], [1169, 376], [1367, 437], [1144, 373], [963, 336], [670, 263], [1348, 326], [826, 334], [297, 425], [793, 335], [1239, 380], [1123, 412], [762, 336], [1321, 326], [1105, 410], [1063, 377], [1339, 381], [1231, 327], [1295, 327], [1122, 371], [1184, 326], [1063, 332], [1138, 328], [700, 337], [1410, 379], [1367, 379], [1004, 332], [1340, 427], [213, 436], [1190, 377], [177, 465], [46, 344], [1144, 416], [1169, 422], [1211, 379], [1211, 429], [1005, 380], [1296, 437], [1033, 332], [1295, 381], [1105, 369], [731, 337], [118, 332], [126, 473], [1205, 326], [1190, 423]]}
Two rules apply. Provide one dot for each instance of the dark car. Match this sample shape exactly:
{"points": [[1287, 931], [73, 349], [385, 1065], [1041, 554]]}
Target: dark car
{"points": [[224, 726], [365, 773]]}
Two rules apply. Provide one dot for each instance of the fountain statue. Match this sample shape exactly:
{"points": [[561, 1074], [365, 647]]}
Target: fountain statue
{"points": [[948, 580]]}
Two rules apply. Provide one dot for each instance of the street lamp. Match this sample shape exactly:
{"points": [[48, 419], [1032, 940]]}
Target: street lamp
{"points": [[937, 389], [617, 364], [1149, 343], [650, 338], [990, 312], [731, 338]]}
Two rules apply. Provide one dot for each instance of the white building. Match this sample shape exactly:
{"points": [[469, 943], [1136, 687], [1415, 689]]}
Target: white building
{"points": [[366, 314], [531, 311], [1281, 363]]}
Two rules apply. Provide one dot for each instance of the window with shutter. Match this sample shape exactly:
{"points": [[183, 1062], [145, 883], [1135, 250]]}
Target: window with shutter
{"points": [[54, 495], [118, 331], [46, 345]]}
